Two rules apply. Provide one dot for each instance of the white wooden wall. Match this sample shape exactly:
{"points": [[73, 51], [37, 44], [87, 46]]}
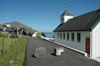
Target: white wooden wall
{"points": [[95, 35], [81, 46]]}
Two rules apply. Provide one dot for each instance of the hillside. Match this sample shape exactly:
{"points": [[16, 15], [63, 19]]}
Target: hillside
{"points": [[20, 25]]}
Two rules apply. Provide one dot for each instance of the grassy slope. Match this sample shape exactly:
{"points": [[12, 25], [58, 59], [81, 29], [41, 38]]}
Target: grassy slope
{"points": [[10, 51]]}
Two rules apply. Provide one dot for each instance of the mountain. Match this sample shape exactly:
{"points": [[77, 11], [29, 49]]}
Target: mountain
{"points": [[20, 25], [1, 24]]}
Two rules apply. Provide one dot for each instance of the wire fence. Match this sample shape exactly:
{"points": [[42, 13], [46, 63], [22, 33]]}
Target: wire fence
{"points": [[6, 43]]}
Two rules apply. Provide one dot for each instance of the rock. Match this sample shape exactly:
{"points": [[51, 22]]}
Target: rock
{"points": [[59, 51], [40, 52]]}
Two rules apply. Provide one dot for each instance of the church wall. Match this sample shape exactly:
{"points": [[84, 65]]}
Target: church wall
{"points": [[95, 35], [81, 46]]}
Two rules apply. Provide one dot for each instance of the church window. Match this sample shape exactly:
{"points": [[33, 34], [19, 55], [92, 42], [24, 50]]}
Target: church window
{"points": [[72, 36], [78, 37], [64, 36], [67, 36]]}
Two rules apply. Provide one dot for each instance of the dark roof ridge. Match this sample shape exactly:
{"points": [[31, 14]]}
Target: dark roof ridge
{"points": [[85, 14], [80, 23], [88, 12]]}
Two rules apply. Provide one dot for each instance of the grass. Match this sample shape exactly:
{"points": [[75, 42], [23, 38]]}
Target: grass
{"points": [[10, 50], [38, 37], [98, 64], [7, 43]]}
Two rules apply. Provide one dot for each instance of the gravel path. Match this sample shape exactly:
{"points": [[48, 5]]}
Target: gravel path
{"points": [[69, 58]]}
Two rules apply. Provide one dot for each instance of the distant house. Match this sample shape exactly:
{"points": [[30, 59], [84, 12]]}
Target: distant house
{"points": [[81, 33], [16, 28], [10, 30], [36, 33], [1, 29], [7, 25]]}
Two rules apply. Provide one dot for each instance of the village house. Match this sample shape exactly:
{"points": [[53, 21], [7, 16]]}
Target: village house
{"points": [[36, 33], [81, 33], [8, 29], [1, 29]]}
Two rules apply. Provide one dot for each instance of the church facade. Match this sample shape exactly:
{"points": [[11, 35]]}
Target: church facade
{"points": [[81, 33]]}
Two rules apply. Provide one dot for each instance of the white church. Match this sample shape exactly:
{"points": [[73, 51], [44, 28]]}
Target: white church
{"points": [[81, 33]]}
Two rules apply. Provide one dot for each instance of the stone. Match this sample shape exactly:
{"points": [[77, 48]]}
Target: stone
{"points": [[59, 51], [40, 52]]}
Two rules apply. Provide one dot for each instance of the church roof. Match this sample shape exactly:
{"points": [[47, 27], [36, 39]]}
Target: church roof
{"points": [[67, 13], [81, 23]]}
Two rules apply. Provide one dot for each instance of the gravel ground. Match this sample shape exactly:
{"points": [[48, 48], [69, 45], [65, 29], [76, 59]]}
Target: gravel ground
{"points": [[69, 58]]}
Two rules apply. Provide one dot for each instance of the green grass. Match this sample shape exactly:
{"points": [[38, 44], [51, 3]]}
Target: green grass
{"points": [[7, 43], [11, 49], [98, 64], [38, 37]]}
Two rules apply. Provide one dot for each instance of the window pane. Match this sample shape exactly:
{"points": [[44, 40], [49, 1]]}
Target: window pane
{"points": [[67, 36], [78, 37], [60, 35], [72, 36], [64, 36]]}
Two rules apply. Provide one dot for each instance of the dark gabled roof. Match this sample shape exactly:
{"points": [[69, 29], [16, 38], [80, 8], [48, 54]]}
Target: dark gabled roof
{"points": [[20, 25], [11, 28], [66, 13], [80, 23]]}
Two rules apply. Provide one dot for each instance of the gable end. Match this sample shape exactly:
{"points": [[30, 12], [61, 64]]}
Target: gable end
{"points": [[98, 21]]}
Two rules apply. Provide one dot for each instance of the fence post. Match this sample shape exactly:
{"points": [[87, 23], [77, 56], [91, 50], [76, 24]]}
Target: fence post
{"points": [[11, 42], [2, 51]]}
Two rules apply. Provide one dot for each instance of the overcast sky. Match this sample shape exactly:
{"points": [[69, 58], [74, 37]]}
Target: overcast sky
{"points": [[43, 15]]}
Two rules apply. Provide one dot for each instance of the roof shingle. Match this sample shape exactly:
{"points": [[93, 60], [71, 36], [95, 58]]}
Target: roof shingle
{"points": [[80, 23]]}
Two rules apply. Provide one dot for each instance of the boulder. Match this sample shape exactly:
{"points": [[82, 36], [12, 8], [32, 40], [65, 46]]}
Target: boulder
{"points": [[40, 52]]}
